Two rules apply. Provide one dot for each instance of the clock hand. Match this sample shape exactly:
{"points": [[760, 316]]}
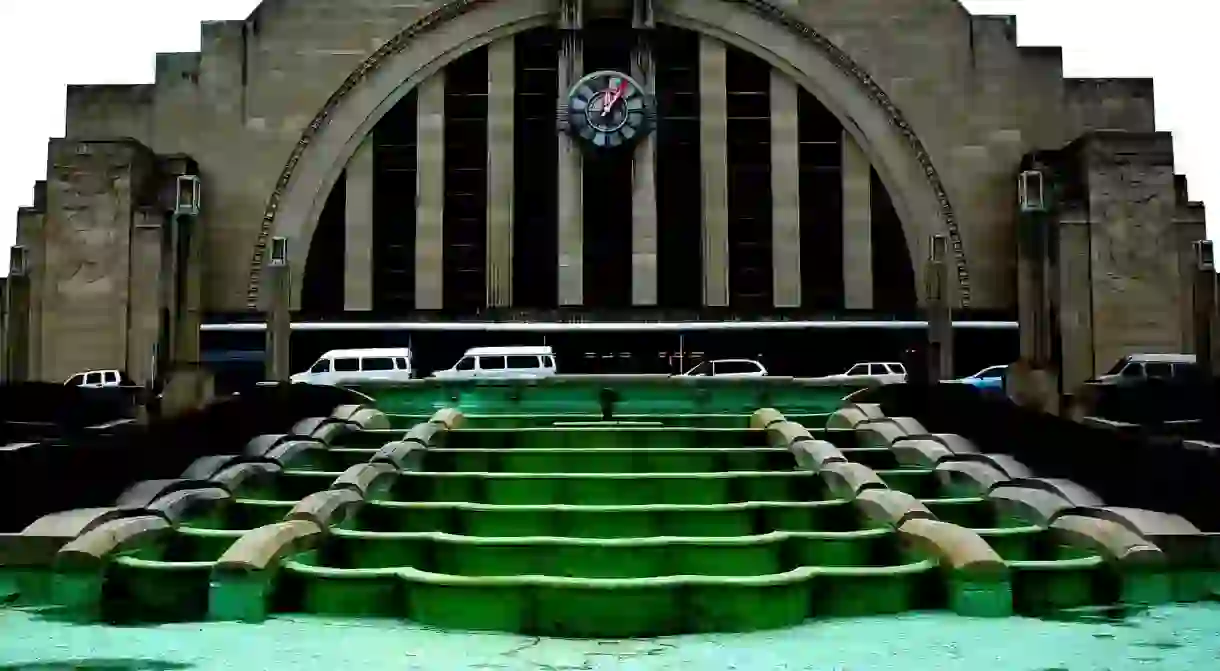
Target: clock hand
{"points": [[616, 93]]}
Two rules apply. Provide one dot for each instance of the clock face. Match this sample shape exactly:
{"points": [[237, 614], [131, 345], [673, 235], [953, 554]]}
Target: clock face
{"points": [[609, 109]]}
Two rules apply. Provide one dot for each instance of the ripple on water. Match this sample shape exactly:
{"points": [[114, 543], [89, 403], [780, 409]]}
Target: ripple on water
{"points": [[1167, 639], [97, 665]]}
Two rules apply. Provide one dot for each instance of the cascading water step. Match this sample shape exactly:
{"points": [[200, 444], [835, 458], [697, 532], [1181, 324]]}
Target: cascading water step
{"points": [[567, 525]]}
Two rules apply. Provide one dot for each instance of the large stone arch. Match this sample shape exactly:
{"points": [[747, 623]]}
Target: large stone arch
{"points": [[460, 26]]}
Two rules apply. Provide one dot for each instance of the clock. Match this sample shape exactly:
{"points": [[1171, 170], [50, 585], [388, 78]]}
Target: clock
{"points": [[608, 110]]}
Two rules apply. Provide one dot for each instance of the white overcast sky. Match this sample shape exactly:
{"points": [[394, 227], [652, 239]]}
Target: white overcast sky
{"points": [[47, 44]]}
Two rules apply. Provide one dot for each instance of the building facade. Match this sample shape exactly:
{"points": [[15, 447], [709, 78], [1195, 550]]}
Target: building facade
{"points": [[516, 158]]}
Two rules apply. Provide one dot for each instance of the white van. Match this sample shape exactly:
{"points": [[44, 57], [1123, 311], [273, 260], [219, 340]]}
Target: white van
{"points": [[340, 366], [502, 363]]}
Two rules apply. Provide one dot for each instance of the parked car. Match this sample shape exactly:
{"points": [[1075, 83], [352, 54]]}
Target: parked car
{"points": [[502, 363], [990, 378], [886, 372], [98, 378], [727, 368], [346, 366], [1136, 368]]}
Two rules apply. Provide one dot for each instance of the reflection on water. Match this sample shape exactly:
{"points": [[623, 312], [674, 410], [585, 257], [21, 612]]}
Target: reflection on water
{"points": [[98, 665], [1113, 615], [1163, 638]]}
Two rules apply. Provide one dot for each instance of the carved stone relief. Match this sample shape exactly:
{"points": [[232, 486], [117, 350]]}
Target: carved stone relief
{"points": [[85, 241]]}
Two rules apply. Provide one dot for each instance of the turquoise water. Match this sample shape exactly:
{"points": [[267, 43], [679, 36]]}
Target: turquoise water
{"points": [[1170, 638]]}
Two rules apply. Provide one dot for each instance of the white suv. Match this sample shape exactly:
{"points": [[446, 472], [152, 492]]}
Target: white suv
{"points": [[96, 378]]}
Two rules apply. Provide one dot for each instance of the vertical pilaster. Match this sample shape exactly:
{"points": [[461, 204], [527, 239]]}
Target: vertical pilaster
{"points": [[501, 71], [1027, 298], [1203, 300], [571, 181], [1033, 250], [857, 226], [644, 190], [430, 194], [500, 87], [167, 343], [144, 289], [279, 322], [17, 317], [4, 339], [31, 234], [713, 122], [17, 330], [1187, 230], [785, 192], [939, 312], [189, 316], [1075, 300], [358, 236]]}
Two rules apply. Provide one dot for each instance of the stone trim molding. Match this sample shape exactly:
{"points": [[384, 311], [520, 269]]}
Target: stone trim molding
{"points": [[767, 9]]}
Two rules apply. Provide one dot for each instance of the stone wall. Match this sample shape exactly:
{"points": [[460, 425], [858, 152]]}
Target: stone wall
{"points": [[93, 189], [1122, 278], [977, 101], [240, 105], [1136, 281], [111, 111], [1110, 104]]}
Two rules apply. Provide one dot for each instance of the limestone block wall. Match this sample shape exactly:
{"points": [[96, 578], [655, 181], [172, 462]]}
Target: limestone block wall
{"points": [[238, 107], [93, 191], [1137, 287], [976, 100], [1110, 104], [111, 111], [1122, 276]]}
